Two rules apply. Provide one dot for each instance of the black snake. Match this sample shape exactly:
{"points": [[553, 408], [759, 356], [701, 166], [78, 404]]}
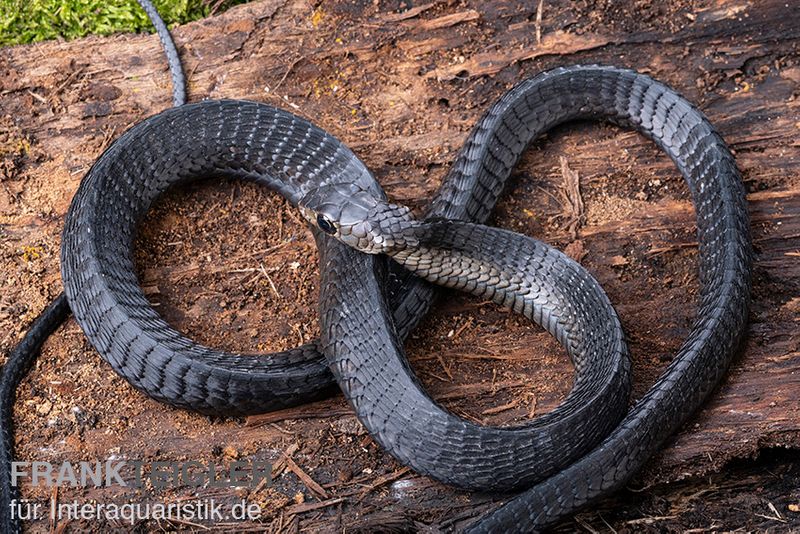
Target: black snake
{"points": [[368, 305]]}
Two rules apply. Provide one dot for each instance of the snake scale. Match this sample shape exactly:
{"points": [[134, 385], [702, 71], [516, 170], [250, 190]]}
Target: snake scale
{"points": [[370, 366], [585, 448]]}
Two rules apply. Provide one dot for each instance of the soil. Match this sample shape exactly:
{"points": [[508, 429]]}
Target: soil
{"points": [[234, 267]]}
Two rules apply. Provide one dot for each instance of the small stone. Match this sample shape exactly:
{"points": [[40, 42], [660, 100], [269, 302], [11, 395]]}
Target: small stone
{"points": [[349, 426], [401, 489], [575, 250], [344, 475], [230, 452], [44, 407]]}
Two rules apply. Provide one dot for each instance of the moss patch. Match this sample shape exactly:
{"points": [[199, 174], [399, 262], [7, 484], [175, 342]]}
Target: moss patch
{"points": [[28, 21]]}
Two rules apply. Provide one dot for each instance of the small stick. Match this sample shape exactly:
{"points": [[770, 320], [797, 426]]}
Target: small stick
{"points": [[286, 74], [53, 506], [462, 328], [309, 411], [271, 283], [382, 480], [654, 251], [40, 98], [532, 410], [65, 82], [309, 482], [445, 368], [280, 463], [189, 523], [538, 23], [499, 409], [308, 507]]}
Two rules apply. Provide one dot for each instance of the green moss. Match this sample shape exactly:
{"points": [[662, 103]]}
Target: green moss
{"points": [[28, 21]]}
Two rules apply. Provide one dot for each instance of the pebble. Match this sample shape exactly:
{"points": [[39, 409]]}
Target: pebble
{"points": [[44, 408], [230, 452]]}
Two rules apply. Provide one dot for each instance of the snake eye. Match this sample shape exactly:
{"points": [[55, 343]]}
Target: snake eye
{"points": [[325, 225]]}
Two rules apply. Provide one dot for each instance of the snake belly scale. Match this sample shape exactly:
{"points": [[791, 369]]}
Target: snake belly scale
{"points": [[368, 304]]}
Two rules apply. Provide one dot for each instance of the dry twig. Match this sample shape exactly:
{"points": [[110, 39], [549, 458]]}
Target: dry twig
{"points": [[306, 479], [538, 23], [573, 208]]}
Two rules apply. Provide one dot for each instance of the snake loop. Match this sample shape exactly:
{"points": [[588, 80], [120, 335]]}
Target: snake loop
{"points": [[565, 458]]}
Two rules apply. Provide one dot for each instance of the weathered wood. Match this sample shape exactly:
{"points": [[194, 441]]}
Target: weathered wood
{"points": [[403, 89]]}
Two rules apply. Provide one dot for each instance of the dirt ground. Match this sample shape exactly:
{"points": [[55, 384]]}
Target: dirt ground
{"points": [[233, 267]]}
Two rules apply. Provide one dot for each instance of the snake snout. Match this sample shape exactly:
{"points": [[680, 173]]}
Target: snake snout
{"points": [[359, 219], [344, 211]]}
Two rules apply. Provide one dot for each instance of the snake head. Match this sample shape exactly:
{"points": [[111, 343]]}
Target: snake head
{"points": [[358, 218]]}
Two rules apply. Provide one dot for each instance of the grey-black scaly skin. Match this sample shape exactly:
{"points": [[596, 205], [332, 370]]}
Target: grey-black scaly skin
{"points": [[370, 366], [290, 155], [19, 361], [171, 53], [214, 138], [516, 271], [21, 358], [234, 139], [220, 138]]}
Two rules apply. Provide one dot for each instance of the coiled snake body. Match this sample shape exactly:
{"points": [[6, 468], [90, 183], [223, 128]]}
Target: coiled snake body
{"points": [[583, 449]]}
